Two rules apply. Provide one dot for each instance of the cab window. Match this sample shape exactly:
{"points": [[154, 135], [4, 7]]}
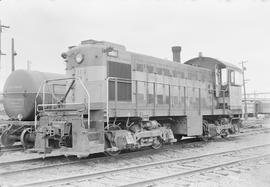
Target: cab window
{"points": [[232, 77], [224, 76], [236, 78]]}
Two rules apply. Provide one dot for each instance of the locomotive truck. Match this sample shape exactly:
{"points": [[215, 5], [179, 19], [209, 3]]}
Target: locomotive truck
{"points": [[117, 100]]}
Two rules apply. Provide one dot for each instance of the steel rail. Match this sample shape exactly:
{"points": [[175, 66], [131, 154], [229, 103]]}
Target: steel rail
{"points": [[68, 179], [190, 140], [186, 141], [194, 171], [48, 166], [8, 163], [134, 153], [11, 149]]}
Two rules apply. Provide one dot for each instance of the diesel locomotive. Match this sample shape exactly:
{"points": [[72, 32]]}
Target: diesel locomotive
{"points": [[117, 100]]}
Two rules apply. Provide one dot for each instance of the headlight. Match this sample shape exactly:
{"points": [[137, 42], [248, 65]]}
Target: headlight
{"points": [[79, 58]]}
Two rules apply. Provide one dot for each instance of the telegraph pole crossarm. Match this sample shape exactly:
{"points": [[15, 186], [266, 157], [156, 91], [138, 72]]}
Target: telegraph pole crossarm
{"points": [[1, 29]]}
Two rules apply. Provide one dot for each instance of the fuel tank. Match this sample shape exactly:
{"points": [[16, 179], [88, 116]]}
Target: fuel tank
{"points": [[20, 92]]}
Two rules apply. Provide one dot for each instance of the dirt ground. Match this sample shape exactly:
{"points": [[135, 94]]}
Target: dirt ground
{"points": [[255, 173], [251, 173]]}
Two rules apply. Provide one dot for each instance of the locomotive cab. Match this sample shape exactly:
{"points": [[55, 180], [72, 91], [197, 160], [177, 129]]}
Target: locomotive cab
{"points": [[231, 85], [226, 82]]}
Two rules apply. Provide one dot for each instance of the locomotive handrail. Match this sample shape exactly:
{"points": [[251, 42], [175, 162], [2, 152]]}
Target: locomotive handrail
{"points": [[36, 104], [48, 105], [130, 80], [61, 79], [107, 103]]}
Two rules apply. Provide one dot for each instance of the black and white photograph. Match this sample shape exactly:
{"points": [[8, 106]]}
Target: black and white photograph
{"points": [[134, 93]]}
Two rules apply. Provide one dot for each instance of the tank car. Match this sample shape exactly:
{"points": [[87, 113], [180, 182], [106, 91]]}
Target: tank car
{"points": [[117, 100], [19, 95]]}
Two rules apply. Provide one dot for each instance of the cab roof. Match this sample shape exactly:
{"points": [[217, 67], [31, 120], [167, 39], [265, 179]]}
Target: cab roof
{"points": [[210, 63]]}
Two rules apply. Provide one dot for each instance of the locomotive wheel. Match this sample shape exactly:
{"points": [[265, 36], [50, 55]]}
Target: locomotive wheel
{"points": [[157, 144], [27, 139], [178, 137], [236, 128], [111, 153], [223, 134], [6, 140], [110, 144], [204, 138]]}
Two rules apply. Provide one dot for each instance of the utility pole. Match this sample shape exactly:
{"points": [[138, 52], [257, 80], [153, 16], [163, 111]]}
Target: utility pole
{"points": [[29, 65], [1, 29], [13, 54], [244, 87]]}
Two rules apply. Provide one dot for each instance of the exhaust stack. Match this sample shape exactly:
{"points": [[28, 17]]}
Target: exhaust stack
{"points": [[176, 50]]}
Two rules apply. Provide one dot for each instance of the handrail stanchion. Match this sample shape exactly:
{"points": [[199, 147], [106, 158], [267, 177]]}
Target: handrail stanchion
{"points": [[88, 98], [43, 97], [41, 86], [43, 94], [107, 104]]}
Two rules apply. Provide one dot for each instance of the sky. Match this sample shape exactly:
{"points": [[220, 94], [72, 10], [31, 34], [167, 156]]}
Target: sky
{"points": [[230, 30]]}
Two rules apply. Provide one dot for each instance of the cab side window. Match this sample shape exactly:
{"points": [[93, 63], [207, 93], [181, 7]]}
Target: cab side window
{"points": [[232, 77], [224, 76], [235, 78], [238, 78]]}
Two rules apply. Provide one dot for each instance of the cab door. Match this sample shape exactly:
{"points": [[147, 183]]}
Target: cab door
{"points": [[235, 90], [217, 81]]}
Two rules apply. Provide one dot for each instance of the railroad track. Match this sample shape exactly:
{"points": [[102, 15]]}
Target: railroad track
{"points": [[137, 175], [11, 148], [11, 167], [147, 181], [41, 164], [49, 161], [250, 131], [38, 164], [245, 133]]}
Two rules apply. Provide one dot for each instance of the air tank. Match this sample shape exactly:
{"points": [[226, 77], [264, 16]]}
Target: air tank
{"points": [[20, 91]]}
